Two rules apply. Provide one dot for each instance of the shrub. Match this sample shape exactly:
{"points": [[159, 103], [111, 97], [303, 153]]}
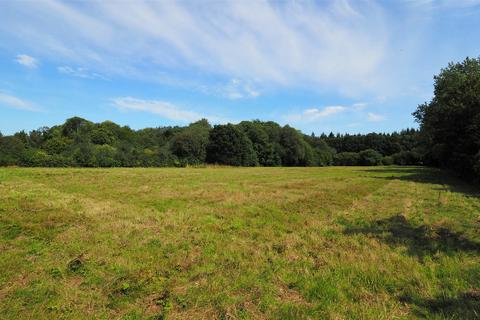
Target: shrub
{"points": [[370, 157], [105, 156], [387, 161], [346, 159], [404, 158]]}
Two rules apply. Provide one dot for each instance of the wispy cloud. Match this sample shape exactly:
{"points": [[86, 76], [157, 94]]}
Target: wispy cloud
{"points": [[26, 61], [237, 89], [373, 117], [315, 114], [444, 3], [79, 72], [359, 105], [337, 45], [164, 109], [17, 103]]}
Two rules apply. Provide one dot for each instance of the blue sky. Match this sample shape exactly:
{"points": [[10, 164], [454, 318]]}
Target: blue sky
{"points": [[321, 66]]}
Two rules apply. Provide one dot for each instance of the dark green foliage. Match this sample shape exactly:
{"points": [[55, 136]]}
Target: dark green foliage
{"points": [[105, 156], [230, 146], [347, 159], [367, 157], [370, 157], [84, 155], [387, 161], [385, 143], [294, 148], [407, 158], [264, 148], [12, 150], [101, 136], [323, 154], [450, 122], [79, 142], [56, 145], [190, 144], [73, 126]]}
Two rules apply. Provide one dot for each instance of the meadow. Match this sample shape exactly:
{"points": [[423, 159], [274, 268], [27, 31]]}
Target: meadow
{"points": [[238, 243]]}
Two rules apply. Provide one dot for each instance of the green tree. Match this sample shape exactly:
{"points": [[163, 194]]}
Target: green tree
{"points": [[56, 145], [102, 136], [105, 156], [450, 122], [12, 150], [347, 159], [230, 146], [370, 157], [190, 144], [293, 147], [84, 156], [264, 148], [73, 126]]}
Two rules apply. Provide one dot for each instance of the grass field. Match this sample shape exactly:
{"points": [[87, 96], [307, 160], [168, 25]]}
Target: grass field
{"points": [[238, 243]]}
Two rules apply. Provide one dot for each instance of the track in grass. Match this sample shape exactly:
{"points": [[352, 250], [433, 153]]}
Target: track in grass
{"points": [[241, 243]]}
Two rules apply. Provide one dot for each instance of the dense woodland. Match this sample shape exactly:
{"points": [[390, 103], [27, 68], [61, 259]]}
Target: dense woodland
{"points": [[449, 136], [79, 142]]}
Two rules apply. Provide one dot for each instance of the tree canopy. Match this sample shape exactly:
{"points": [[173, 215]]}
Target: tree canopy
{"points": [[79, 142], [450, 122]]}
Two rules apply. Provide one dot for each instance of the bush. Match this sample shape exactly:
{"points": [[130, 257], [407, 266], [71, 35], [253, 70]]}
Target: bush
{"points": [[407, 158], [105, 156], [12, 151], [84, 155], [387, 161], [370, 157], [346, 159]]}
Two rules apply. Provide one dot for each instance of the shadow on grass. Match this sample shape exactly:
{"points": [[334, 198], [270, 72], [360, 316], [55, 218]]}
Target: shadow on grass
{"points": [[445, 180], [422, 241], [465, 306]]}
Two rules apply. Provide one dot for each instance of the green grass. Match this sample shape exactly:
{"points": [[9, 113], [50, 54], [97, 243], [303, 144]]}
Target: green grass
{"points": [[238, 243]]}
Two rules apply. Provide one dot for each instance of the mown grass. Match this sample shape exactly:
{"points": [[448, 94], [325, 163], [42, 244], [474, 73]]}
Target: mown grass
{"points": [[238, 243]]}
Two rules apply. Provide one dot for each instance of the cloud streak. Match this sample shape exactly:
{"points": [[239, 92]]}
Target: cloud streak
{"points": [[373, 117], [79, 72], [337, 45], [17, 103], [315, 114], [164, 109]]}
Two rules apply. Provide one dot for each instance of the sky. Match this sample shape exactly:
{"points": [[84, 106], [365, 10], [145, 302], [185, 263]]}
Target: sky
{"points": [[319, 66]]}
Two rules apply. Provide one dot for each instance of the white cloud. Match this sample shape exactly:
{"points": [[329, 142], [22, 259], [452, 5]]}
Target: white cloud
{"points": [[162, 108], [79, 72], [444, 3], [16, 103], [359, 105], [237, 89], [337, 45], [373, 117], [26, 60], [315, 114]]}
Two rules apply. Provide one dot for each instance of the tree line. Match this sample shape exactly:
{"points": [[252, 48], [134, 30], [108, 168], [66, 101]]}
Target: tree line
{"points": [[449, 137], [82, 143]]}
